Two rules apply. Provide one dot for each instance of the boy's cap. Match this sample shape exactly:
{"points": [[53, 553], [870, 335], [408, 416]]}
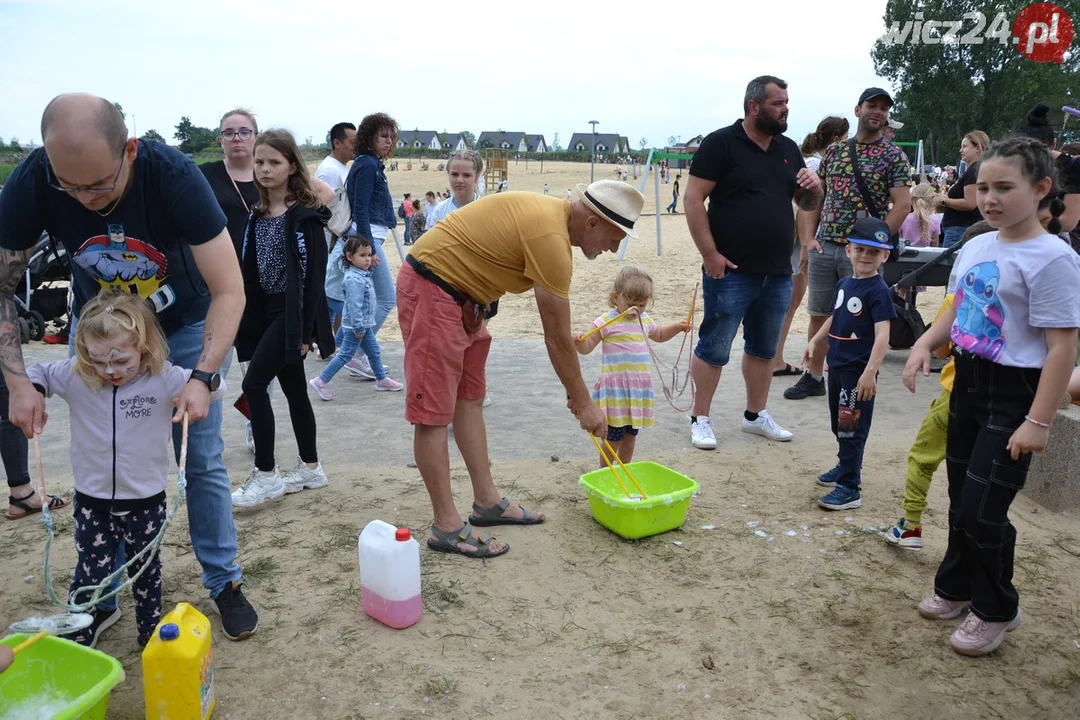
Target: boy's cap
{"points": [[870, 232]]}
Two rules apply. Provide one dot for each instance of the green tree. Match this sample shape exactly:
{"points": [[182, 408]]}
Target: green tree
{"points": [[121, 109], [193, 138], [152, 134], [556, 146], [14, 144], [470, 139], [485, 144], [946, 89], [644, 143]]}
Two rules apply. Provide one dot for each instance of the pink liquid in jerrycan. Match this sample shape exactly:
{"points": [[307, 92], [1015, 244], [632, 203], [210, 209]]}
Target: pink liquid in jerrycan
{"points": [[390, 574]]}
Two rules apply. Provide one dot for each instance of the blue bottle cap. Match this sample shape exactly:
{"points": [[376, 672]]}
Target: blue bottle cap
{"points": [[169, 631]]}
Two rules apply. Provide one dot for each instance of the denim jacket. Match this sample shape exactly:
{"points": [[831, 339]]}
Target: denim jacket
{"points": [[359, 313], [369, 195]]}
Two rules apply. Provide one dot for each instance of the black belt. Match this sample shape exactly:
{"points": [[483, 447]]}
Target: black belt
{"points": [[459, 297], [425, 272]]}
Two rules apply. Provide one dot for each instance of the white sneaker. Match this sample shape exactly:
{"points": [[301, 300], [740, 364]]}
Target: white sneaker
{"points": [[360, 367], [302, 477], [766, 427], [701, 433], [258, 488]]}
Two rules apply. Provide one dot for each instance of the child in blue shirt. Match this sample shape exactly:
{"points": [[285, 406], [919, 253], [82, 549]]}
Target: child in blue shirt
{"points": [[358, 319], [858, 334]]}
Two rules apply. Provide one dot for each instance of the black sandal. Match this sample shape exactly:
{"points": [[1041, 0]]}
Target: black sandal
{"points": [[447, 542], [489, 517], [55, 503], [787, 370]]}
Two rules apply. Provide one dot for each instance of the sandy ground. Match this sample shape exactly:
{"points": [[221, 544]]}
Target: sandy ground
{"points": [[814, 620]]}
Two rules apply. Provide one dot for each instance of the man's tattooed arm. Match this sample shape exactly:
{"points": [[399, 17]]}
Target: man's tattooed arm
{"points": [[12, 270]]}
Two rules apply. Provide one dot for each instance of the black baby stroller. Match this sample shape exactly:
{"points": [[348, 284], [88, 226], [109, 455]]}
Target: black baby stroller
{"points": [[42, 296], [906, 270]]}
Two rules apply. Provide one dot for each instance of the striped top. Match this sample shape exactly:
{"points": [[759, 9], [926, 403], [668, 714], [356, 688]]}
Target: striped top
{"points": [[624, 390]]}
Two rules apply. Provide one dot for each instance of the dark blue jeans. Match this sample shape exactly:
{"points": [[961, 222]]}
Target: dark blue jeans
{"points": [[13, 444], [851, 419]]}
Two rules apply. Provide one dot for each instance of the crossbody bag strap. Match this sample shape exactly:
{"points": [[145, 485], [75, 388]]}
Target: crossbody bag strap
{"points": [[868, 202], [236, 187]]}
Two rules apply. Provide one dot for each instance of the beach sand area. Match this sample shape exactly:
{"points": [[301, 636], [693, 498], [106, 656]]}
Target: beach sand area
{"points": [[760, 606]]}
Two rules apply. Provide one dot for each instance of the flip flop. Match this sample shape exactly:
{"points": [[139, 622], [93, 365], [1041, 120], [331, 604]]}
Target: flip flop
{"points": [[787, 370], [447, 542], [489, 517], [55, 503]]}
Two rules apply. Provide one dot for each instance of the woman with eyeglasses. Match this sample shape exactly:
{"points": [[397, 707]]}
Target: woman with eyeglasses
{"points": [[232, 178], [373, 211]]}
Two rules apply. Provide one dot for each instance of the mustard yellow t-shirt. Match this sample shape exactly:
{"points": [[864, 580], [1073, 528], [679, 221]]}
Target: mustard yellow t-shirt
{"points": [[948, 372], [504, 243]]}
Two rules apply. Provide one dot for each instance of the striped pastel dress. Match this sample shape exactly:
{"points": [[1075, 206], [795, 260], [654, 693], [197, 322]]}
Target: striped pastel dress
{"points": [[624, 390]]}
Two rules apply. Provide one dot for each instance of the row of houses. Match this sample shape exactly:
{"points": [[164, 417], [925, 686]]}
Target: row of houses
{"points": [[510, 141]]}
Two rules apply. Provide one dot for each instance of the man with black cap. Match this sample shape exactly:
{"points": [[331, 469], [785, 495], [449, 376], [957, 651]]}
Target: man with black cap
{"points": [[865, 177]]}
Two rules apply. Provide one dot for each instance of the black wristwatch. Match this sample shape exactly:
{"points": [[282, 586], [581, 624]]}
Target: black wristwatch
{"points": [[212, 380]]}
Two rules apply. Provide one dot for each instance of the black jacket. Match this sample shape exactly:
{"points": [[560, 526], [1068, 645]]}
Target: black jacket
{"points": [[306, 318]]}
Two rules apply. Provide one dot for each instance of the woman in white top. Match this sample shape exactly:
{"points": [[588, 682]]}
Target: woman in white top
{"points": [[831, 129], [464, 169]]}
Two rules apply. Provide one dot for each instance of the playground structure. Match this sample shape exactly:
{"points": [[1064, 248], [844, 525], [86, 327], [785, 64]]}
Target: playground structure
{"points": [[652, 164], [495, 168]]}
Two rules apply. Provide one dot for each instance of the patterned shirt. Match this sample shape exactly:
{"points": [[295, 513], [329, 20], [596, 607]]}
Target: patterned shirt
{"points": [[883, 166], [270, 253]]}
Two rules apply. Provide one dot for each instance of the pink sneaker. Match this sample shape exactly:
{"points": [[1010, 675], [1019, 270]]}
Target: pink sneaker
{"points": [[976, 636], [321, 389], [388, 385], [936, 607]]}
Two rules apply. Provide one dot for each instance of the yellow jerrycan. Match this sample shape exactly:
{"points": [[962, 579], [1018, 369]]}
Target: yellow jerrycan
{"points": [[178, 667]]}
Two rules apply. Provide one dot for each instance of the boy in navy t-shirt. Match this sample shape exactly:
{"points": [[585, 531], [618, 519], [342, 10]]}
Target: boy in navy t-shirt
{"points": [[858, 334]]}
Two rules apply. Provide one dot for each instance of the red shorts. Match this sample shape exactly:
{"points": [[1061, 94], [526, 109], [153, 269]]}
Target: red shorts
{"points": [[442, 363]]}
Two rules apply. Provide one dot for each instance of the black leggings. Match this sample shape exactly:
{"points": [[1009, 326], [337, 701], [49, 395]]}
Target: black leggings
{"points": [[13, 445], [266, 363]]}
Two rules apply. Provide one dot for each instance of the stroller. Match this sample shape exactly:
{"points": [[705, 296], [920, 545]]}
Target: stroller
{"points": [[42, 296], [908, 268]]}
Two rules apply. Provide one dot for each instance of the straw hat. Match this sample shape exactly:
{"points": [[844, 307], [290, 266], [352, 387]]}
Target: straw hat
{"points": [[618, 203]]}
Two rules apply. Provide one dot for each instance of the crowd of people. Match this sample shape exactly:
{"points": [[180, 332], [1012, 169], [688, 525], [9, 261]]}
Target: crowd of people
{"points": [[238, 256]]}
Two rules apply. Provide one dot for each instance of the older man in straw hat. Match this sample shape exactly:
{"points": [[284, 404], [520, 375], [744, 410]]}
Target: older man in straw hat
{"points": [[506, 243]]}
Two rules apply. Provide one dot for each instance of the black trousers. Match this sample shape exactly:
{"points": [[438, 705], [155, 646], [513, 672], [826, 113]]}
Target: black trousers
{"points": [[268, 362], [13, 444], [989, 402], [851, 420], [98, 534]]}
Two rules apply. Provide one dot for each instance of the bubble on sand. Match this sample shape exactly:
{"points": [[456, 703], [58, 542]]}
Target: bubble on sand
{"points": [[791, 533], [752, 524], [761, 533]]}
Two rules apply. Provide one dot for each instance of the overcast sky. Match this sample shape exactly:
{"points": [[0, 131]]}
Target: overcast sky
{"points": [[530, 67]]}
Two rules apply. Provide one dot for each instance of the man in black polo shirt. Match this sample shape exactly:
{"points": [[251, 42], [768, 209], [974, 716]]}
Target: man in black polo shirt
{"points": [[750, 173]]}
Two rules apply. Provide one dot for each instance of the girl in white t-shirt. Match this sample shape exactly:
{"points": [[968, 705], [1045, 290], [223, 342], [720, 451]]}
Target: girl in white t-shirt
{"points": [[1014, 324]]}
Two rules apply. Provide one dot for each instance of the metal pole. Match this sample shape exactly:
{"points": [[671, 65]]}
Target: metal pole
{"points": [[656, 184], [592, 168]]}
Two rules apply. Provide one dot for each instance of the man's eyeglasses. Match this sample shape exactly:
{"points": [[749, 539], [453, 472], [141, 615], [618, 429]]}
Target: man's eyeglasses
{"points": [[95, 189], [242, 133]]}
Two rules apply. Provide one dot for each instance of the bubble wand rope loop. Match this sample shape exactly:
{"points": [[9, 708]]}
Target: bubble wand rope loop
{"points": [[607, 462], [99, 593]]}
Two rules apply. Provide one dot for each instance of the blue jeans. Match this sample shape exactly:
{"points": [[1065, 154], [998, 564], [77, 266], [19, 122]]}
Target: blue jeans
{"points": [[757, 302], [349, 346], [209, 496], [337, 310], [951, 235], [850, 423], [385, 294]]}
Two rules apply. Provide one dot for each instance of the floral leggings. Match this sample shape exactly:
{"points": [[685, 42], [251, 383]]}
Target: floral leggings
{"points": [[97, 535]]}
